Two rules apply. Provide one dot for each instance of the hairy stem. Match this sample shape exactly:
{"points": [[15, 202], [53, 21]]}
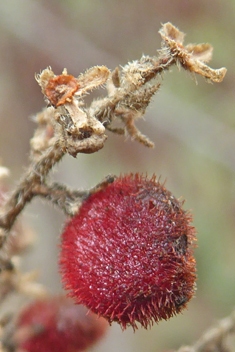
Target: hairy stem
{"points": [[66, 200], [24, 192]]}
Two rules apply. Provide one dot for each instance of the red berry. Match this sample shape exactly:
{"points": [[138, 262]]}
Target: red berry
{"points": [[56, 324], [127, 255]]}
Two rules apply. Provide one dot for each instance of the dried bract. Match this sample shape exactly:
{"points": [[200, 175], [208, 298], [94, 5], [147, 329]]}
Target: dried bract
{"points": [[191, 57], [92, 78], [78, 131]]}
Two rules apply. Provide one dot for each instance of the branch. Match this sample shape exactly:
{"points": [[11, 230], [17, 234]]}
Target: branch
{"points": [[66, 126], [66, 200], [214, 340]]}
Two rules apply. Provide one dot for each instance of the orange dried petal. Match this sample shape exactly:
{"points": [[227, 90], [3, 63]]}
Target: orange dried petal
{"points": [[60, 89]]}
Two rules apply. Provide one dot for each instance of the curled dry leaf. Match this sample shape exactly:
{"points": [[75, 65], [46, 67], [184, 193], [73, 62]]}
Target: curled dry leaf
{"points": [[44, 77], [92, 78], [202, 52], [191, 57]]}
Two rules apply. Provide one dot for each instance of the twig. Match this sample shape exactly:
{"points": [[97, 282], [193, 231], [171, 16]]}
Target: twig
{"points": [[66, 200], [66, 126], [214, 340]]}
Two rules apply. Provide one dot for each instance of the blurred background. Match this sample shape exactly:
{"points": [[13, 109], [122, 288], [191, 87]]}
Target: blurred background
{"points": [[192, 126]]}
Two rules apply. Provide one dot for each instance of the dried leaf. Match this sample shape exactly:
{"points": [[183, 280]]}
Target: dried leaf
{"points": [[170, 32], [44, 77], [61, 89], [192, 57], [202, 52], [92, 78]]}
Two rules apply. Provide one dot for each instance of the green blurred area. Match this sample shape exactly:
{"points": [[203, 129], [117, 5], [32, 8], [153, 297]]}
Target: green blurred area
{"points": [[192, 126]]}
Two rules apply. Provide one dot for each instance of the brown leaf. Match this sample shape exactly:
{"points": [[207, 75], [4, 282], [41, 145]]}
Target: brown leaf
{"points": [[191, 57], [92, 78]]}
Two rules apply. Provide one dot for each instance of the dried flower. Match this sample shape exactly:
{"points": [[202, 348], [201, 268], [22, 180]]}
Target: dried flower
{"points": [[57, 325], [61, 88], [127, 254]]}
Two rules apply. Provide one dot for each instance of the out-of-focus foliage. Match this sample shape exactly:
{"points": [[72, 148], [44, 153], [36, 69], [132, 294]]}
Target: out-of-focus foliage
{"points": [[193, 127]]}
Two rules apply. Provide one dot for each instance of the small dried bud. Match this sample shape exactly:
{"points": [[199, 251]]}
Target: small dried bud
{"points": [[127, 254], [56, 324]]}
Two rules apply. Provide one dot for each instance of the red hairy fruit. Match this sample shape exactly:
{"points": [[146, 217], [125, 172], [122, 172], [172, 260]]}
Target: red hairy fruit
{"points": [[56, 324], [128, 254]]}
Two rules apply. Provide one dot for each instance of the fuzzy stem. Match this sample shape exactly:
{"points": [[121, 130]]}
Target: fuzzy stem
{"points": [[66, 200], [24, 192]]}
